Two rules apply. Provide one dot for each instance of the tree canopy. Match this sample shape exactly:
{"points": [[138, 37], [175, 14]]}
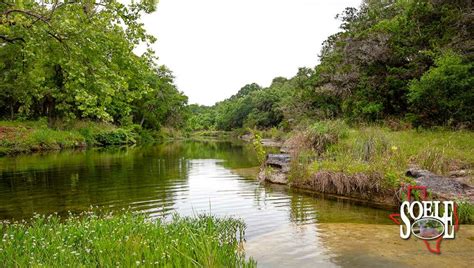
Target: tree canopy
{"points": [[406, 59], [76, 59]]}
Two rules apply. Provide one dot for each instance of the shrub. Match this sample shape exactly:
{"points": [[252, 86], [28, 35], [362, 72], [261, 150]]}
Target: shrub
{"points": [[258, 147], [444, 94], [118, 136]]}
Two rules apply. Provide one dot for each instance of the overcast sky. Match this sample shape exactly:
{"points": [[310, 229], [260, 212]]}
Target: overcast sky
{"points": [[215, 47]]}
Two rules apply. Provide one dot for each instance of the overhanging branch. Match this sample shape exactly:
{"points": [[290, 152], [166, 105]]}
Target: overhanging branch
{"points": [[26, 12], [11, 40]]}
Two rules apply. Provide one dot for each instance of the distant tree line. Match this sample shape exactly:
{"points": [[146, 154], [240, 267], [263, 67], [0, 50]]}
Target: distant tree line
{"points": [[69, 60], [408, 60]]}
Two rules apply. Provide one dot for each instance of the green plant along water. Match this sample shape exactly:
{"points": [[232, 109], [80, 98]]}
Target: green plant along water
{"points": [[284, 226], [93, 239]]}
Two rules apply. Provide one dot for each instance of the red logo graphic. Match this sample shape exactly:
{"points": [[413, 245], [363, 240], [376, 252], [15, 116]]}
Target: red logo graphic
{"points": [[426, 211]]}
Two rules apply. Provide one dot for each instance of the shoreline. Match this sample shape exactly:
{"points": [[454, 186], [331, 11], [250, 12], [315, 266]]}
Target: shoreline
{"points": [[29, 137], [332, 163]]}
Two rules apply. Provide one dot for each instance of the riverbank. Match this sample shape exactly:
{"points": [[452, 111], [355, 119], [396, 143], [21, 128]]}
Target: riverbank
{"points": [[18, 137], [373, 162], [92, 239]]}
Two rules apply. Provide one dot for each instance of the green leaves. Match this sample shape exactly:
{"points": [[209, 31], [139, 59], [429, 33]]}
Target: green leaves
{"points": [[444, 94], [77, 61]]}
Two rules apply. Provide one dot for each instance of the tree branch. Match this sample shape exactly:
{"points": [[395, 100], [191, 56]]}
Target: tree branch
{"points": [[12, 40], [26, 12]]}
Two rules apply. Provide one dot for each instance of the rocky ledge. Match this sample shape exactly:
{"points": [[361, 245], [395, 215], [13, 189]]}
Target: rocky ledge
{"points": [[441, 186], [277, 167]]}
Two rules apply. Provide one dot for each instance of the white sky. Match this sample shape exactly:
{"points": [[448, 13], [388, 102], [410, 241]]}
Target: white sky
{"points": [[215, 47]]}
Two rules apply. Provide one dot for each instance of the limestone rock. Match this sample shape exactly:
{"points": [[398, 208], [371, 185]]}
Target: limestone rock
{"points": [[444, 187]]}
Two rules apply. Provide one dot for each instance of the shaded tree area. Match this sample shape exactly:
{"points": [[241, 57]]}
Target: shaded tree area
{"points": [[69, 60], [409, 60]]}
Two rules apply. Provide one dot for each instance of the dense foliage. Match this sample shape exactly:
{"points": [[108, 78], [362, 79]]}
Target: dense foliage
{"points": [[408, 60], [75, 60]]}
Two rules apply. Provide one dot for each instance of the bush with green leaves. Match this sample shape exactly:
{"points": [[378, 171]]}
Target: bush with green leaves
{"points": [[444, 95], [117, 136]]}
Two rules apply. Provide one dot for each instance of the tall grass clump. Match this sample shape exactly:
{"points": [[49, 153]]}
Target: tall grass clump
{"points": [[310, 143], [465, 211], [94, 240], [318, 136], [371, 144], [372, 160], [433, 159]]}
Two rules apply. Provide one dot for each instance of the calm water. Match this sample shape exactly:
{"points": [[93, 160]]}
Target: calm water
{"points": [[284, 227]]}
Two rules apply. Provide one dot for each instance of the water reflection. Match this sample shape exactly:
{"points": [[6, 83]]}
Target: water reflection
{"points": [[73, 181], [284, 227]]}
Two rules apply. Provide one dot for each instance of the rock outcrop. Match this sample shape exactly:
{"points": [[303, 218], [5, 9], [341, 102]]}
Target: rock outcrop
{"points": [[443, 187], [276, 169]]}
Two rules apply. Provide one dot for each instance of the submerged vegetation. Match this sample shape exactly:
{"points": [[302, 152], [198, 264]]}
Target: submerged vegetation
{"points": [[91, 239]]}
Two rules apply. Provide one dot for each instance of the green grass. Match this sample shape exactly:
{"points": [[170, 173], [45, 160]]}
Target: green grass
{"points": [[377, 154], [272, 133], [378, 149], [124, 240], [21, 137], [465, 211], [32, 136]]}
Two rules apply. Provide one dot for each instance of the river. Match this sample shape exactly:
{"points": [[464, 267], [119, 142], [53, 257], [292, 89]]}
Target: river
{"points": [[285, 227]]}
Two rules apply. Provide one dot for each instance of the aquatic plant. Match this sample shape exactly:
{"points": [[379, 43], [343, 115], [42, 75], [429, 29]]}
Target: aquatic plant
{"points": [[258, 147], [109, 240]]}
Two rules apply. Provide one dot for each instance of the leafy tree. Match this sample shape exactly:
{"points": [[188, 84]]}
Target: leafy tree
{"points": [[444, 94], [246, 90], [388, 61], [75, 59]]}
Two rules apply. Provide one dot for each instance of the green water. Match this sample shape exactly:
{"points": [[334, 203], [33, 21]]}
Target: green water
{"points": [[283, 226]]}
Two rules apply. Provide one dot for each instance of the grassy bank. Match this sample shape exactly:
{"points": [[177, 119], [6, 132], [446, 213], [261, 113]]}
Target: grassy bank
{"points": [[370, 161], [213, 134], [333, 146], [34, 136], [123, 240]]}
